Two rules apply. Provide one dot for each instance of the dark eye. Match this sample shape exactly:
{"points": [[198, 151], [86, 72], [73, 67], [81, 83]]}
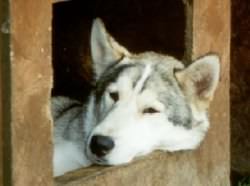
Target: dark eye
{"points": [[114, 96], [150, 110]]}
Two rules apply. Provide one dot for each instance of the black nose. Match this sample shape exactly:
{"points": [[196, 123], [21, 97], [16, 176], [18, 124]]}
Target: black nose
{"points": [[101, 145]]}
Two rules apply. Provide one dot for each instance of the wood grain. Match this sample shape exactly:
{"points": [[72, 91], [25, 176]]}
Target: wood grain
{"points": [[31, 81], [211, 32]]}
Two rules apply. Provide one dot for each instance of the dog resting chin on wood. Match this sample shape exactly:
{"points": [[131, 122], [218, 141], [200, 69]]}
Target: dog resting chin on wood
{"points": [[140, 103]]}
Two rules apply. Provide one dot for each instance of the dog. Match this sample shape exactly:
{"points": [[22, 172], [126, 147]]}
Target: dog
{"points": [[140, 103]]}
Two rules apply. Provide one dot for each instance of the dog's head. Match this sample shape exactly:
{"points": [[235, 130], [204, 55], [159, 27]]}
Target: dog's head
{"points": [[148, 101]]}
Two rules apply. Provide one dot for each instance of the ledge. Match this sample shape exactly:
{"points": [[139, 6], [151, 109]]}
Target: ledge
{"points": [[116, 175], [181, 169]]}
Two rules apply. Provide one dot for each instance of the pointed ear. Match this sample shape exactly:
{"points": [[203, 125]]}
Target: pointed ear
{"points": [[200, 79], [104, 49]]}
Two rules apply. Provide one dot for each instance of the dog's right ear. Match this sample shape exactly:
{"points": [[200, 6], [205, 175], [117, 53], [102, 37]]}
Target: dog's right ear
{"points": [[200, 79], [104, 49]]}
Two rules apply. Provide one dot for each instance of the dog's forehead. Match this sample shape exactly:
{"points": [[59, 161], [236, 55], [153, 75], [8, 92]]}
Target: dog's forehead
{"points": [[161, 68], [133, 67]]}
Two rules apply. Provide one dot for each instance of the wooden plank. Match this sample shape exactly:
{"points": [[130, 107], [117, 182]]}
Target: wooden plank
{"points": [[160, 169], [31, 81], [208, 30]]}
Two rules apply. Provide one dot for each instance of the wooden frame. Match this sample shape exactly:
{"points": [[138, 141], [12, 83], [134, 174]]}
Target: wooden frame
{"points": [[26, 89], [25, 122]]}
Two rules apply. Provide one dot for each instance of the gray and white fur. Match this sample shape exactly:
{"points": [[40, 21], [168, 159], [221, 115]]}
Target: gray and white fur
{"points": [[141, 103]]}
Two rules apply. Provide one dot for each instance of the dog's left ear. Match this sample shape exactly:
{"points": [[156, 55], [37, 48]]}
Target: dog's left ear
{"points": [[104, 49], [199, 80]]}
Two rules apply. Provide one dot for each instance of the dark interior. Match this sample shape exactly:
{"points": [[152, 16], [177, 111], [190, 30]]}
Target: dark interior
{"points": [[139, 25], [240, 92]]}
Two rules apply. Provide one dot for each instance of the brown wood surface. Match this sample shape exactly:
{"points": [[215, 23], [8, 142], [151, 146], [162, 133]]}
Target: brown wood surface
{"points": [[208, 30], [31, 81]]}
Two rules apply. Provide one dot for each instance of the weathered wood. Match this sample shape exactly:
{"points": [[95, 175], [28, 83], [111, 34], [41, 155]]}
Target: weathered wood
{"points": [[208, 30], [160, 169], [31, 79]]}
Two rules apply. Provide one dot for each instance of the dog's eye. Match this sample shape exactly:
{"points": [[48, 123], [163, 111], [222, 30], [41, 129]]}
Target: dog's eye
{"points": [[150, 110], [114, 96]]}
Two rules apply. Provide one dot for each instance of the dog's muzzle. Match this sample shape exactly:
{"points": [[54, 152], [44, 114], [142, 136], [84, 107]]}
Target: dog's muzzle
{"points": [[101, 145]]}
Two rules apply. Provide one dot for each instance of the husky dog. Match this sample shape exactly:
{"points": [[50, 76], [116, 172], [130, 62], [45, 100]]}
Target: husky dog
{"points": [[141, 103]]}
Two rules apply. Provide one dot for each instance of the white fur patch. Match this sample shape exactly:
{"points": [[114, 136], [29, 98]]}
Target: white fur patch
{"points": [[144, 77], [67, 157]]}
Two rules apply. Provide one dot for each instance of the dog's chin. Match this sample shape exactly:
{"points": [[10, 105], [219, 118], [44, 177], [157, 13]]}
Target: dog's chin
{"points": [[96, 160], [105, 161], [108, 160], [115, 161], [100, 161]]}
